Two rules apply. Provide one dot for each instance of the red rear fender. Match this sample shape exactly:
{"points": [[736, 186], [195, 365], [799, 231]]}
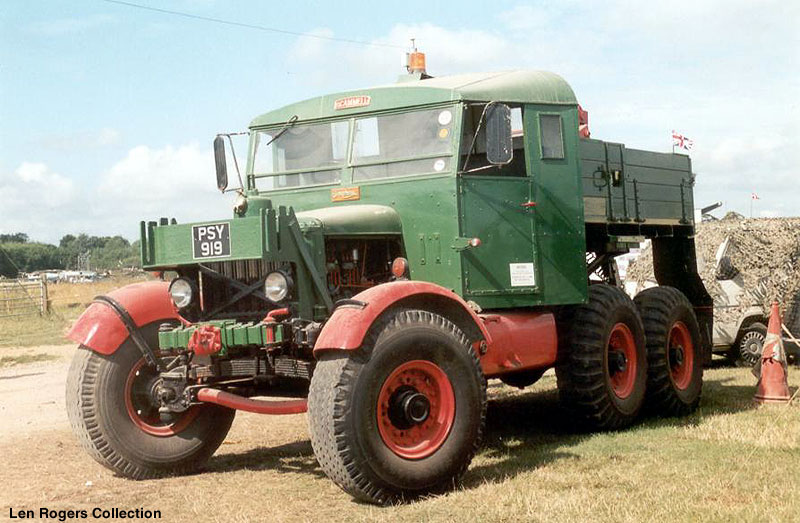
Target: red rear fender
{"points": [[101, 329]]}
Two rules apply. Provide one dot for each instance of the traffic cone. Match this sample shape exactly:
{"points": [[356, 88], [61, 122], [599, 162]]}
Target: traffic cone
{"points": [[772, 384]]}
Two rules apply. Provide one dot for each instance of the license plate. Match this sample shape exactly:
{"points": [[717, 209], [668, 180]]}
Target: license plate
{"points": [[212, 240]]}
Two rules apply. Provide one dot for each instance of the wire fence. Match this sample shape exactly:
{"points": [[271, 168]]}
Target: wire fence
{"points": [[20, 298]]}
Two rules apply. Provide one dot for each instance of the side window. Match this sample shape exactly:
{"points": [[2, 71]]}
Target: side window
{"points": [[477, 162], [552, 138]]}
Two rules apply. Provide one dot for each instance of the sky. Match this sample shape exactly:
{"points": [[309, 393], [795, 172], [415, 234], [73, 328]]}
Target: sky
{"points": [[107, 112]]}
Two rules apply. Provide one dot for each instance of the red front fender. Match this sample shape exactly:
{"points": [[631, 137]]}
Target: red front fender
{"points": [[99, 327], [346, 328]]}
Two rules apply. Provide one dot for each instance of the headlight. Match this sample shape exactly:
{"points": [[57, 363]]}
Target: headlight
{"points": [[276, 286], [181, 291]]}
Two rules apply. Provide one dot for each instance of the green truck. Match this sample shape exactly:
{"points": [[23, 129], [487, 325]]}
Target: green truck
{"points": [[389, 251]]}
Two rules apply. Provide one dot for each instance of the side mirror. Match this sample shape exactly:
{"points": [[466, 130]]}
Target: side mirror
{"points": [[499, 144], [219, 161]]}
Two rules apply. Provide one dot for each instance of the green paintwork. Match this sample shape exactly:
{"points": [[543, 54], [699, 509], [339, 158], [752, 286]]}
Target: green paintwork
{"points": [[656, 192], [437, 213], [507, 86], [353, 220], [232, 335]]}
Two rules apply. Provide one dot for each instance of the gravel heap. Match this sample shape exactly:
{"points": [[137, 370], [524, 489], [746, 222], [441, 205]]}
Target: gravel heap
{"points": [[765, 252]]}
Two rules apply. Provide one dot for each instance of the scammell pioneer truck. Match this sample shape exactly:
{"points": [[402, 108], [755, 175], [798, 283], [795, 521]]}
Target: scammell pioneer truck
{"points": [[390, 250]]}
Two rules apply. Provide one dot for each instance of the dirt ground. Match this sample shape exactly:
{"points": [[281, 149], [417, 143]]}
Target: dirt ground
{"points": [[727, 462]]}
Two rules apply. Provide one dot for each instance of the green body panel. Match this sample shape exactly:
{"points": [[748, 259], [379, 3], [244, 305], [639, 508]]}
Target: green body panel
{"points": [[505, 86], [654, 188], [422, 209], [171, 245], [550, 234], [353, 220], [232, 335]]}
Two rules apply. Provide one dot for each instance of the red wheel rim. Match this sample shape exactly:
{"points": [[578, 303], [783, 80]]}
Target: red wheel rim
{"points": [[621, 360], [422, 439], [142, 411], [680, 355]]}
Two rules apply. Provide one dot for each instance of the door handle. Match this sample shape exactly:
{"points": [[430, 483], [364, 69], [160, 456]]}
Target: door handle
{"points": [[528, 205]]}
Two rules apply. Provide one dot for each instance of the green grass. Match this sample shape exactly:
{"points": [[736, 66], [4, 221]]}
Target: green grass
{"points": [[22, 359], [28, 331]]}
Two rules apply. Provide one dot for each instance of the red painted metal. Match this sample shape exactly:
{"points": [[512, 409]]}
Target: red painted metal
{"points": [[621, 340], [423, 439], [681, 373], [234, 401], [271, 315], [99, 327], [205, 340], [528, 205], [520, 341], [348, 325], [146, 417]]}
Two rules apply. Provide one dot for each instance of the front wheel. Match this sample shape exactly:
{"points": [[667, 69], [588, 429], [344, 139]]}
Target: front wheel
{"points": [[112, 412], [402, 416]]}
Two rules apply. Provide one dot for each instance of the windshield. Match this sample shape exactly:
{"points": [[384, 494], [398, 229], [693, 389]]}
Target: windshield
{"points": [[403, 144]]}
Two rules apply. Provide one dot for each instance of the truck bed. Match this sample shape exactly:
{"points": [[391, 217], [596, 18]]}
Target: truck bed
{"points": [[630, 185]]}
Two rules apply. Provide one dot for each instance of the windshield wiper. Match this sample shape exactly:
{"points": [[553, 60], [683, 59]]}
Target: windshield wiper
{"points": [[289, 123]]}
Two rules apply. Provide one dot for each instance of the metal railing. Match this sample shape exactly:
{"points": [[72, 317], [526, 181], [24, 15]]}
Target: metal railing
{"points": [[23, 298]]}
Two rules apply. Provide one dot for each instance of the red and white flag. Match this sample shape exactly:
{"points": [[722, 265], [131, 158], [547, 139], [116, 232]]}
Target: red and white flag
{"points": [[679, 140], [754, 196]]}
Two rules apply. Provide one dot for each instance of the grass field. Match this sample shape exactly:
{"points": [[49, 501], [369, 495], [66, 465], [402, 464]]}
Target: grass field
{"points": [[729, 461], [67, 302]]}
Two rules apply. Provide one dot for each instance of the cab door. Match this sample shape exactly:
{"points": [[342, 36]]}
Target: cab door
{"points": [[496, 206], [551, 143]]}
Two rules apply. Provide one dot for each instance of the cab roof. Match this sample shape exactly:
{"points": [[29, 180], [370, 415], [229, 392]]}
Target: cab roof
{"points": [[520, 86]]}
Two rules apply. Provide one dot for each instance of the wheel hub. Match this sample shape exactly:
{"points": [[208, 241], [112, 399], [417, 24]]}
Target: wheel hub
{"points": [[617, 362], [408, 407], [415, 409], [676, 355]]}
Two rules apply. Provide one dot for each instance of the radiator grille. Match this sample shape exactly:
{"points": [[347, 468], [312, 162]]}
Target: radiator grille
{"points": [[216, 291]]}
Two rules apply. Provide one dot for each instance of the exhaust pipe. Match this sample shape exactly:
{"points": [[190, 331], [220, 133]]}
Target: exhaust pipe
{"points": [[234, 401]]}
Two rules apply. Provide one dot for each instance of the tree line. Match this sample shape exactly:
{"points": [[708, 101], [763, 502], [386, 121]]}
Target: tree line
{"points": [[81, 252]]}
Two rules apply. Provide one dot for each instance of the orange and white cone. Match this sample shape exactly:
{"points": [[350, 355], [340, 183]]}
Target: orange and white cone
{"points": [[771, 371]]}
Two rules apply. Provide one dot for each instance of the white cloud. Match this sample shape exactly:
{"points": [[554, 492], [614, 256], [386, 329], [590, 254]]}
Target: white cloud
{"points": [[146, 184], [36, 200], [149, 183]]}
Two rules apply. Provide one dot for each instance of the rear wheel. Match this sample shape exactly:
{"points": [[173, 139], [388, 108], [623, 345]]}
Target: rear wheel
{"points": [[111, 409], [402, 416], [602, 369], [674, 359]]}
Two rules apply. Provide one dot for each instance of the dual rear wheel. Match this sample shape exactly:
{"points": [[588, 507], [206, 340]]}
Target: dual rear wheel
{"points": [[618, 355]]}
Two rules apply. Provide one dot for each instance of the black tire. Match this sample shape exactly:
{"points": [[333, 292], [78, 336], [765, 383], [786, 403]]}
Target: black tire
{"points": [[343, 408], [606, 391], [674, 351], [750, 344], [97, 410], [522, 379]]}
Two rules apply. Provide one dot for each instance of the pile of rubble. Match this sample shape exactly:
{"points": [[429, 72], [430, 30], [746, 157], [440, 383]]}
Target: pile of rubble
{"points": [[763, 254]]}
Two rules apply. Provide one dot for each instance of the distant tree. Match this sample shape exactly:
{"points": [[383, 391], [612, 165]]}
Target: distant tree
{"points": [[28, 257], [17, 237], [105, 252]]}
